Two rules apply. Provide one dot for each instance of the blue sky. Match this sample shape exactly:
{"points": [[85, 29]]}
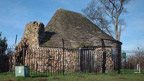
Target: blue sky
{"points": [[14, 14]]}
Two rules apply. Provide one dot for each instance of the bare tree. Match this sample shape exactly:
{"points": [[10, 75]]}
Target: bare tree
{"points": [[95, 14], [130, 62], [106, 13], [136, 58], [139, 56]]}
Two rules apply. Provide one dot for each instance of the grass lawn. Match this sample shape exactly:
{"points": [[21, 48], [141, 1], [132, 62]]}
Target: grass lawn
{"points": [[125, 76]]}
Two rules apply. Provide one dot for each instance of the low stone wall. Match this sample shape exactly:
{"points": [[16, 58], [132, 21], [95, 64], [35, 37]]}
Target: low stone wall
{"points": [[52, 59], [109, 61]]}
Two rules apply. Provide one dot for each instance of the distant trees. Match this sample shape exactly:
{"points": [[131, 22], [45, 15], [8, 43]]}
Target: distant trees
{"points": [[137, 58], [3, 44], [107, 15]]}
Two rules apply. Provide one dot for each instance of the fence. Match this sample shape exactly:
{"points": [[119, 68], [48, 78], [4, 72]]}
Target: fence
{"points": [[49, 61]]}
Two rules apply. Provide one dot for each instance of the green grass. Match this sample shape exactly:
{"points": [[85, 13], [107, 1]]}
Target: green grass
{"points": [[127, 75]]}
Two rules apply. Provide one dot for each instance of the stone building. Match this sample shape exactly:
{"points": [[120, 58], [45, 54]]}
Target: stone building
{"points": [[86, 47]]}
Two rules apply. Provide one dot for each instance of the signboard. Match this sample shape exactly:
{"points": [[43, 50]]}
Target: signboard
{"points": [[21, 71]]}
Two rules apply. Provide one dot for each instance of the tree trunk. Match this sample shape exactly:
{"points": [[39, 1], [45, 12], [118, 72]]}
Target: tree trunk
{"points": [[116, 30]]}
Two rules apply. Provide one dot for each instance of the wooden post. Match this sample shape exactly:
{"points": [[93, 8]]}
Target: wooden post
{"points": [[16, 40], [104, 56], [63, 55], [118, 57]]}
